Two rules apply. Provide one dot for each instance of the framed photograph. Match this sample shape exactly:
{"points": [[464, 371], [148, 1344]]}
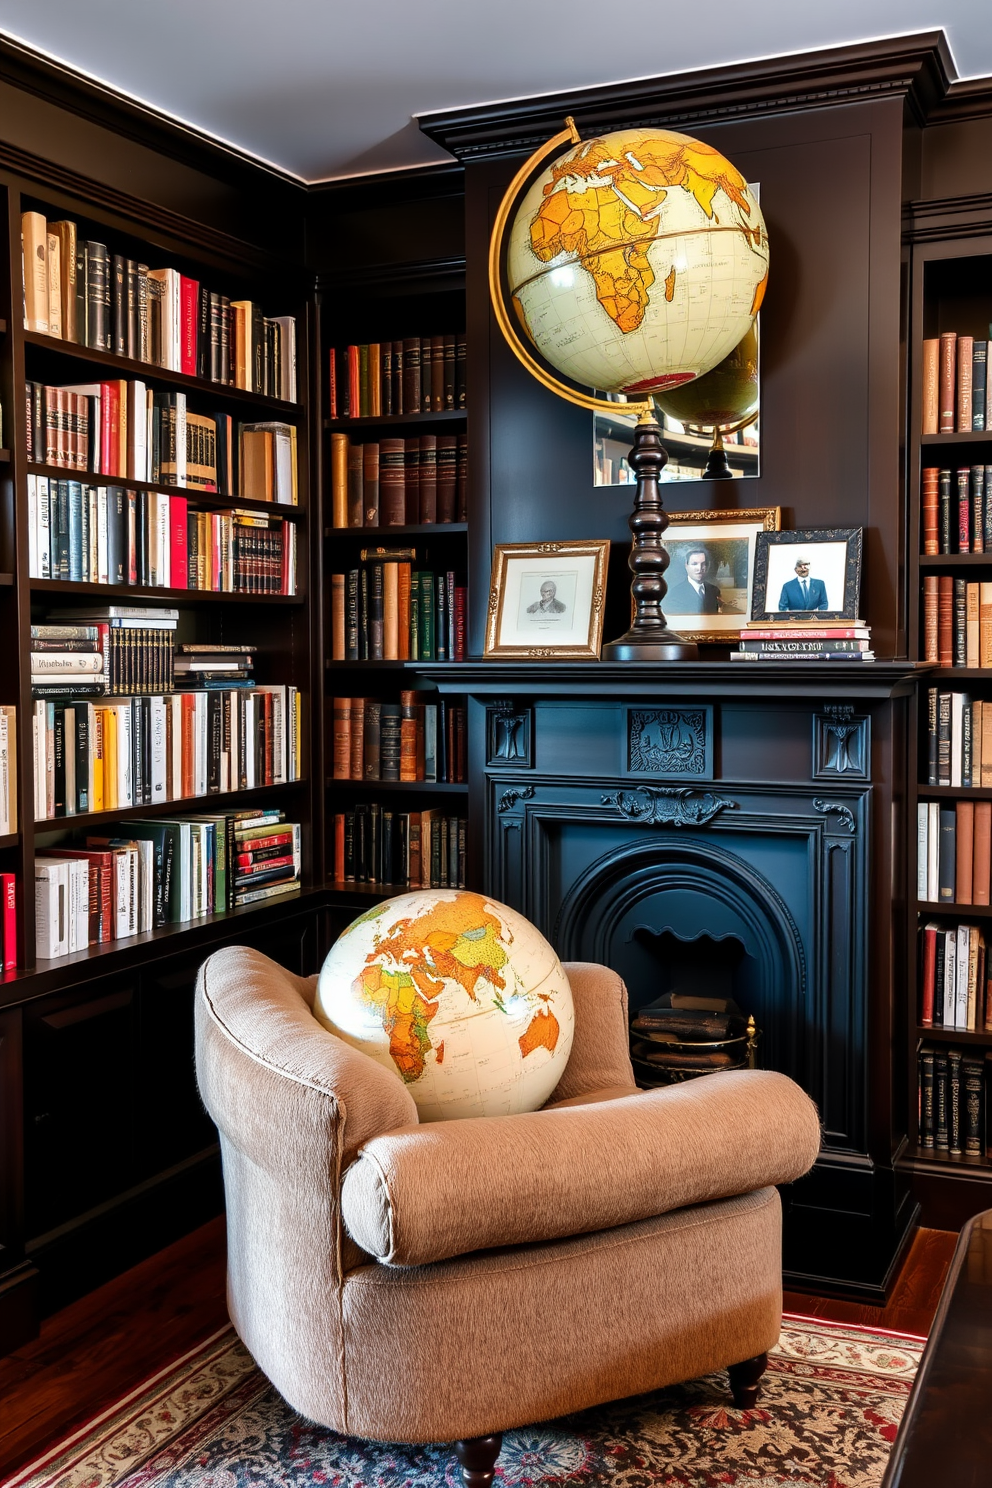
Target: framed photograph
{"points": [[809, 575], [711, 570], [546, 600]]}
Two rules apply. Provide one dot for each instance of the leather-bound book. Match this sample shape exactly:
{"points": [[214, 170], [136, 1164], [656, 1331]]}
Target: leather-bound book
{"points": [[946, 863], [356, 485], [428, 478], [940, 1108], [925, 1059], [945, 620], [982, 867], [985, 624], [66, 234], [930, 504], [964, 349], [979, 384], [390, 613], [372, 739], [437, 374], [408, 735], [357, 771], [404, 577], [390, 739], [948, 381], [960, 614], [411, 375], [461, 490], [339, 824], [931, 383], [460, 361], [447, 477], [986, 778], [392, 483], [340, 447], [341, 736], [397, 375], [34, 238], [370, 484], [976, 484], [375, 612], [411, 479], [962, 485], [375, 379], [946, 524], [448, 385], [338, 583], [386, 378], [972, 1104], [928, 969], [964, 860], [972, 625]]}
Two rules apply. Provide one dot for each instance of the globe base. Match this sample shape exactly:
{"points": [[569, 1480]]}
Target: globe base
{"points": [[666, 645]]}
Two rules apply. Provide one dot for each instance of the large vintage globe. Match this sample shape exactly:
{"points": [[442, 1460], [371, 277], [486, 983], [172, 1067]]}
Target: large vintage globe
{"points": [[637, 261], [458, 995]]}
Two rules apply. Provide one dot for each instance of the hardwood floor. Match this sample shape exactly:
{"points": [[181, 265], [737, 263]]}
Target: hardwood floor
{"points": [[93, 1352]]}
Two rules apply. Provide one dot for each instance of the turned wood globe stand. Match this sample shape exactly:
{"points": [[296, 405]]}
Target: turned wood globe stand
{"points": [[649, 638]]}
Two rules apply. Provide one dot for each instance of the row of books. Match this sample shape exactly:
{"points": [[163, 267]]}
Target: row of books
{"points": [[374, 844], [113, 535], [957, 621], [805, 639], [953, 1085], [9, 896], [954, 851], [959, 739], [420, 374], [96, 755], [955, 989], [409, 740], [126, 430], [397, 482], [956, 509], [121, 655], [956, 390], [8, 769], [78, 290], [387, 610], [150, 874]]}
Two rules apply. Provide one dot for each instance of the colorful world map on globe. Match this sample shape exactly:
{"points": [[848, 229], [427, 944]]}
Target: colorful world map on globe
{"points": [[638, 260], [459, 995]]}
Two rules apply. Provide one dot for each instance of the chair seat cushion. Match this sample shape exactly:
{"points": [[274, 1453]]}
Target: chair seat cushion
{"points": [[444, 1189]]}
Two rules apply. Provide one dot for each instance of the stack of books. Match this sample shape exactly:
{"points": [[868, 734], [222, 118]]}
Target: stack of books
{"points": [[211, 665], [155, 873], [408, 740], [104, 649], [681, 1036], [805, 639], [953, 1088]]}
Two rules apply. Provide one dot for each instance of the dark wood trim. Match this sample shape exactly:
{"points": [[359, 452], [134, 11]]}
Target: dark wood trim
{"points": [[417, 276], [966, 98], [917, 68], [192, 495], [640, 678], [946, 218]]}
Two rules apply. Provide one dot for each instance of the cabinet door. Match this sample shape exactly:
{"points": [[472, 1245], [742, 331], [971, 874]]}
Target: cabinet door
{"points": [[79, 1072], [170, 1118]]}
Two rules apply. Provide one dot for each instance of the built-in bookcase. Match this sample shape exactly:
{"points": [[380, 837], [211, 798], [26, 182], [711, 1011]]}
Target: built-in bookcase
{"points": [[948, 1077]]}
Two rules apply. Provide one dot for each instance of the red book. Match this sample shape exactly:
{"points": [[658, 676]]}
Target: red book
{"points": [[929, 974], [8, 903], [354, 382], [178, 548], [109, 417], [948, 381], [339, 847], [945, 620], [930, 502], [189, 303], [188, 743], [253, 844], [332, 385]]}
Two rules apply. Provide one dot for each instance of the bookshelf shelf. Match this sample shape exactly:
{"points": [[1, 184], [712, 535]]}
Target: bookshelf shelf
{"points": [[966, 911], [426, 787], [112, 593], [9, 839], [397, 420], [214, 805], [955, 560], [942, 1163], [376, 536], [197, 498], [973, 436], [956, 792], [4, 456], [955, 1035], [153, 376], [960, 674]]}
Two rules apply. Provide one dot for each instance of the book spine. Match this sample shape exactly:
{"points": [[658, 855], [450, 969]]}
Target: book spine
{"points": [[965, 346], [948, 360]]}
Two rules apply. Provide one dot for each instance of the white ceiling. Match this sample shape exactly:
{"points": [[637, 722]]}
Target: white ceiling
{"points": [[331, 88]]}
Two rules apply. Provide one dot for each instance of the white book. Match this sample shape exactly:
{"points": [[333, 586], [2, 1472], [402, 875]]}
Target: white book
{"points": [[297, 848], [199, 744], [197, 876], [144, 849], [54, 286], [93, 556], [69, 759], [122, 893], [278, 715], [250, 726], [33, 569], [174, 770], [171, 317], [5, 773], [125, 754], [287, 353], [102, 568], [34, 257], [957, 736], [79, 904], [51, 908], [157, 730], [137, 423], [44, 519], [161, 507], [961, 977], [922, 852], [38, 758], [149, 429], [950, 977], [181, 439], [933, 851], [66, 663]]}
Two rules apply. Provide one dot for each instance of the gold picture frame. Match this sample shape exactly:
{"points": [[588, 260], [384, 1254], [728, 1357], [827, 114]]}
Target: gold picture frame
{"points": [[729, 540], [546, 601]]}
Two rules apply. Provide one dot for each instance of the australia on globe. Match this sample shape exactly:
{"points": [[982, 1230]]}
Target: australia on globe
{"points": [[457, 994], [638, 260]]}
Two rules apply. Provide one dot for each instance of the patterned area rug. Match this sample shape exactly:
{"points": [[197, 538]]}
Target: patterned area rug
{"points": [[827, 1416]]}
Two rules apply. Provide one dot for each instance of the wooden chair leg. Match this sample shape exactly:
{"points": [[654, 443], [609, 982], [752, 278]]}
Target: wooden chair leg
{"points": [[744, 1381], [478, 1457]]}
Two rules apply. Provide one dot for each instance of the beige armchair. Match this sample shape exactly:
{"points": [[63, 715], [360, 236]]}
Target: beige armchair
{"points": [[413, 1282]]}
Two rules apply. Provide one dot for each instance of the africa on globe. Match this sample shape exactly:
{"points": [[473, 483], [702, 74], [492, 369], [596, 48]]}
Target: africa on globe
{"points": [[460, 996], [637, 261]]}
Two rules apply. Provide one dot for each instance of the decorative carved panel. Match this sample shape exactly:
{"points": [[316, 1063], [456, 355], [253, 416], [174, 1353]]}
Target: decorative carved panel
{"points": [[675, 742], [841, 744], [508, 735]]}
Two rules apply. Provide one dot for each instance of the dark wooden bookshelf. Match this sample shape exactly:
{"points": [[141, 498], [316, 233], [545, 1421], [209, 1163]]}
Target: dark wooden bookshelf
{"points": [[396, 420], [369, 535], [159, 377], [112, 593], [952, 674], [957, 792], [971, 436], [192, 495], [4, 456], [212, 805], [9, 839], [6, 580], [980, 1036], [955, 560], [965, 911], [422, 787], [406, 666]]}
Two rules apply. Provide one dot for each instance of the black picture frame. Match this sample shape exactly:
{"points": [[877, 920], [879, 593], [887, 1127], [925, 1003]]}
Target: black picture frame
{"points": [[840, 579]]}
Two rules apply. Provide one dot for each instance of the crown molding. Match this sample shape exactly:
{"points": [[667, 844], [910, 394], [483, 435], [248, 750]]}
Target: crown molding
{"points": [[969, 99], [947, 217], [916, 68], [22, 67]]}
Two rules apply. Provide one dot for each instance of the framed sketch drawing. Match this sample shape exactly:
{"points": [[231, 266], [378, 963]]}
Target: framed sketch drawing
{"points": [[711, 570], [546, 600], [814, 574]]}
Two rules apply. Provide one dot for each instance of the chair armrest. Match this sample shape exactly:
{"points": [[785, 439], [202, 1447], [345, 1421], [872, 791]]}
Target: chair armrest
{"points": [[445, 1189], [600, 1053]]}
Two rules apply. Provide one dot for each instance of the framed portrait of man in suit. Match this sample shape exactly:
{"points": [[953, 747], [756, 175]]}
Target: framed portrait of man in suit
{"points": [[546, 600], [814, 574], [711, 568]]}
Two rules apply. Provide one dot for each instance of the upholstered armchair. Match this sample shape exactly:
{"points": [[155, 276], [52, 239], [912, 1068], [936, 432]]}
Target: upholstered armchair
{"points": [[413, 1282]]}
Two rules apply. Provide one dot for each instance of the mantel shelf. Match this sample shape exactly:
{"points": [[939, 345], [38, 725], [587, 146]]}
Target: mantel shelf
{"points": [[829, 680]]}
